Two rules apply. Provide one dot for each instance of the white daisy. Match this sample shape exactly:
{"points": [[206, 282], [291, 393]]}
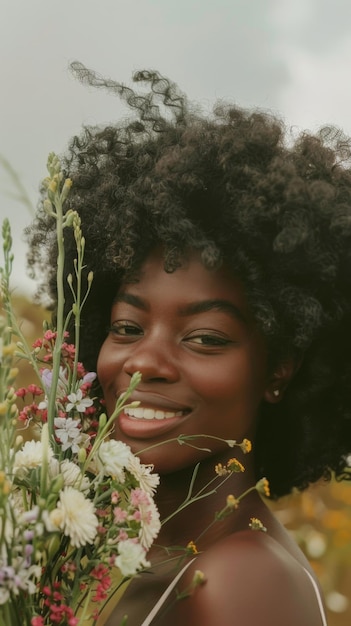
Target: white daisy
{"points": [[131, 557], [29, 457], [75, 515], [71, 474], [147, 480], [150, 523], [112, 458]]}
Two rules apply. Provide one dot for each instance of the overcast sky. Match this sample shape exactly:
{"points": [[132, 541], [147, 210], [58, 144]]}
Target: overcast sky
{"points": [[289, 56]]}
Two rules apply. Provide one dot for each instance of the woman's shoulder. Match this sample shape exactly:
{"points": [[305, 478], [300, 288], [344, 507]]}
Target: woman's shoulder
{"points": [[247, 576]]}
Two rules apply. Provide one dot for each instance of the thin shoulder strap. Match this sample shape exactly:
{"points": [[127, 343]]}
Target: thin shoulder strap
{"points": [[147, 621], [319, 599]]}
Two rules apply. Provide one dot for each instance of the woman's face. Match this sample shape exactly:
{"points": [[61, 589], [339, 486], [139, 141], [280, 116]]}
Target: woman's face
{"points": [[203, 362]]}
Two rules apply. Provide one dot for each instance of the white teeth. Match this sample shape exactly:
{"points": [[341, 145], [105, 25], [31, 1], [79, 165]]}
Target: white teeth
{"points": [[150, 414]]}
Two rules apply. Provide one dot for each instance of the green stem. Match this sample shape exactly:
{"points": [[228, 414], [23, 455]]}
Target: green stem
{"points": [[60, 314]]}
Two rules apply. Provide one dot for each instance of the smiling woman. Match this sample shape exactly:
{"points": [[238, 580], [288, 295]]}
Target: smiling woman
{"points": [[190, 335], [222, 272]]}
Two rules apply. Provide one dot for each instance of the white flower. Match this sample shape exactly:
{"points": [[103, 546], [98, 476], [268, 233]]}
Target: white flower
{"points": [[112, 458], [75, 516], [150, 523], [23, 579], [131, 557], [17, 577], [76, 401], [29, 457], [147, 480], [68, 433], [30, 516], [48, 524], [71, 474]]}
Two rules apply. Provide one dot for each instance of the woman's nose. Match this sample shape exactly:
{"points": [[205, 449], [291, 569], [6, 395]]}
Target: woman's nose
{"points": [[154, 360]]}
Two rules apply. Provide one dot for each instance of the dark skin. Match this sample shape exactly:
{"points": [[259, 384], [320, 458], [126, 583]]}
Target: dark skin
{"points": [[205, 370]]}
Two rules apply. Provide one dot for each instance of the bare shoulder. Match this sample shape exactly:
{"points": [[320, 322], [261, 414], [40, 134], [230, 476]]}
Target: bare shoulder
{"points": [[248, 577]]}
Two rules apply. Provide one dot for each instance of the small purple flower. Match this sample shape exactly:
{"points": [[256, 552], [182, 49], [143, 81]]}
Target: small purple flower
{"points": [[28, 549], [89, 377], [46, 376]]}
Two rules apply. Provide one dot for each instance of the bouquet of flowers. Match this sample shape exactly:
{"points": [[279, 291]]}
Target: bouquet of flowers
{"points": [[77, 515]]}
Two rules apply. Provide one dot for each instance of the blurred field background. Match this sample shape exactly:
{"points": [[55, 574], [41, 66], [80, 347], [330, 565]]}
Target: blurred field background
{"points": [[320, 518]]}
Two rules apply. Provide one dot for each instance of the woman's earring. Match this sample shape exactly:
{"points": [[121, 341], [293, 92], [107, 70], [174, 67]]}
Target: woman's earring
{"points": [[276, 393]]}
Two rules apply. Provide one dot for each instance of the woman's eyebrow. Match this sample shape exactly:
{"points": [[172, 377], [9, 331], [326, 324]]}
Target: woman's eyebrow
{"points": [[192, 308], [131, 299], [224, 306]]}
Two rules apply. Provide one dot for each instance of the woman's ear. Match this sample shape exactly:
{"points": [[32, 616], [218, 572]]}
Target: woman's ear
{"points": [[280, 379]]}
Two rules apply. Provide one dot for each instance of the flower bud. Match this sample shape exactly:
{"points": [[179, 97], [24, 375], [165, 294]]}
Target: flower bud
{"points": [[82, 455], [262, 487], [52, 187], [48, 207], [246, 446], [102, 421], [18, 442], [69, 218], [256, 524], [191, 548], [9, 349], [135, 380], [53, 546], [234, 465], [66, 189], [199, 578], [13, 373], [57, 484], [232, 502], [46, 182]]}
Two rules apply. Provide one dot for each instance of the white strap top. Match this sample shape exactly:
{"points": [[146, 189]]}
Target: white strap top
{"points": [[170, 588], [319, 599]]}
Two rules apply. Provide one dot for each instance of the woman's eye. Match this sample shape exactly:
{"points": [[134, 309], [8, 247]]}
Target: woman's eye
{"points": [[125, 329], [208, 340]]}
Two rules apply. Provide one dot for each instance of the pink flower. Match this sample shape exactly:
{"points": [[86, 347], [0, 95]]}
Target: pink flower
{"points": [[20, 393], [114, 497], [49, 335], [119, 514], [34, 390], [138, 497], [122, 535]]}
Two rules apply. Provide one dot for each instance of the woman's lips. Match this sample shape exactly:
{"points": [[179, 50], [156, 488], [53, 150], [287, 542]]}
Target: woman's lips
{"points": [[147, 423], [146, 413], [155, 415]]}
